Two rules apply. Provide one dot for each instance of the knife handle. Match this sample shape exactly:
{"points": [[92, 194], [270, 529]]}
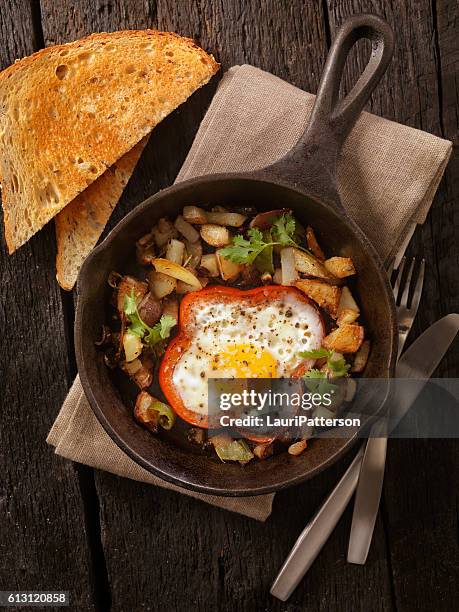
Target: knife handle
{"points": [[367, 500], [316, 533]]}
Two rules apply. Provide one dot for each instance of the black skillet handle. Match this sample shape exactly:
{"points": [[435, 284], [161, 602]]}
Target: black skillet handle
{"points": [[311, 164]]}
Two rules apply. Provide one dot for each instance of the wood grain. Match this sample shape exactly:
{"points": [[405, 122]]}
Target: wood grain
{"points": [[422, 477], [219, 571], [43, 539]]}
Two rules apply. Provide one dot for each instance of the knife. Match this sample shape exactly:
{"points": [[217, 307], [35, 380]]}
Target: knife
{"points": [[425, 352], [418, 362], [316, 533]]}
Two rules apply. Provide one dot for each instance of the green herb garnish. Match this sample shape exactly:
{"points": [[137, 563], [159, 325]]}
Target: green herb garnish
{"points": [[151, 335], [283, 230], [338, 367], [246, 250]]}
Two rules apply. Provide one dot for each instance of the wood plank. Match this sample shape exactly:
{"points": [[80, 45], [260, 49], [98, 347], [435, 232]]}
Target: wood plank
{"points": [[422, 476], [43, 544], [163, 550]]}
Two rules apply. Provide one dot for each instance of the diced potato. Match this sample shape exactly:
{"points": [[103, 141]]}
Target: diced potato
{"points": [[289, 272], [228, 270], [226, 218], [143, 377], [313, 245], [193, 253], [361, 357], [277, 277], [163, 232], [175, 251], [141, 373], [345, 339], [125, 288], [310, 266], [346, 316], [186, 229], [161, 284], [348, 311], [176, 271], [347, 302], [131, 367], [215, 235], [340, 266], [219, 208], [171, 307], [132, 345], [325, 295], [143, 413], [194, 214], [209, 263], [145, 250], [297, 448], [262, 451]]}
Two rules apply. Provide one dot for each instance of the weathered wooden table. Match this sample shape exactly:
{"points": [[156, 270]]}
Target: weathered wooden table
{"points": [[116, 543]]}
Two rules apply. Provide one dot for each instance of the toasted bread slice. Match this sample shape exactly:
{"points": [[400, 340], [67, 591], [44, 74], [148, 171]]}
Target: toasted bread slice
{"points": [[80, 224], [69, 112]]}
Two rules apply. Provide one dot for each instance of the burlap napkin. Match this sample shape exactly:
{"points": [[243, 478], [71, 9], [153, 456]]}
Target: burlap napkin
{"points": [[388, 175]]}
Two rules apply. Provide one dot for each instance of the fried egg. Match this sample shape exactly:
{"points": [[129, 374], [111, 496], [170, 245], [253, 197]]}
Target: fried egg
{"points": [[228, 333]]}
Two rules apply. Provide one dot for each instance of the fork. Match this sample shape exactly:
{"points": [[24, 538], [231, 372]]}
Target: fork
{"points": [[405, 315], [373, 464], [319, 528]]}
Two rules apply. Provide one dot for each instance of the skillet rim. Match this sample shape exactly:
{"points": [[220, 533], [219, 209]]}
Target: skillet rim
{"points": [[79, 331]]}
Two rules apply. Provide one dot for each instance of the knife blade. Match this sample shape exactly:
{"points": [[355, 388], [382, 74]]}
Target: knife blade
{"points": [[316, 533], [418, 362]]}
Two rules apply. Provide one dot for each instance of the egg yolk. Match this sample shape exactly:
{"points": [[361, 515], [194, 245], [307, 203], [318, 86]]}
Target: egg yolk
{"points": [[245, 361]]}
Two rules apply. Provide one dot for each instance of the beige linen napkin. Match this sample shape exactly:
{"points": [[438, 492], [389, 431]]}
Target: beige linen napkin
{"points": [[388, 175]]}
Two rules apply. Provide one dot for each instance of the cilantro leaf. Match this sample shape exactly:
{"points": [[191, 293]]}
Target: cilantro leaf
{"points": [[283, 230], [314, 373], [338, 367], [151, 335], [130, 309], [317, 382], [316, 354], [130, 306], [264, 261], [245, 251], [160, 331]]}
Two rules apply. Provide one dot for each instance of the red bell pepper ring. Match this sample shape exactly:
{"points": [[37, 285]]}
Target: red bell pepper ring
{"points": [[182, 340]]}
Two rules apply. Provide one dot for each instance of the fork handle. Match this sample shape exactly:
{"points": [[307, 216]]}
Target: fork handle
{"points": [[367, 500]]}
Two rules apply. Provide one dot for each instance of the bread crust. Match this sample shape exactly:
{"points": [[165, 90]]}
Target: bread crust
{"points": [[80, 224], [69, 112]]}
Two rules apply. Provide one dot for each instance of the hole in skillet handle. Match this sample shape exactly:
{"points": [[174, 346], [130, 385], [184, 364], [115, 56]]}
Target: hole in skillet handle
{"points": [[311, 164]]}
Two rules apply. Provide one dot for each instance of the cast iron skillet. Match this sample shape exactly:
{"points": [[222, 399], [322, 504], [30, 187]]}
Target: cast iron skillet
{"points": [[305, 181]]}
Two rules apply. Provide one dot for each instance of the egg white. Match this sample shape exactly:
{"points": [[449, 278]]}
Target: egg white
{"points": [[283, 327]]}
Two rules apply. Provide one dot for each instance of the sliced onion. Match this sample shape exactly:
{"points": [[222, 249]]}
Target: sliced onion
{"points": [[132, 345], [289, 272], [176, 271], [186, 229]]}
